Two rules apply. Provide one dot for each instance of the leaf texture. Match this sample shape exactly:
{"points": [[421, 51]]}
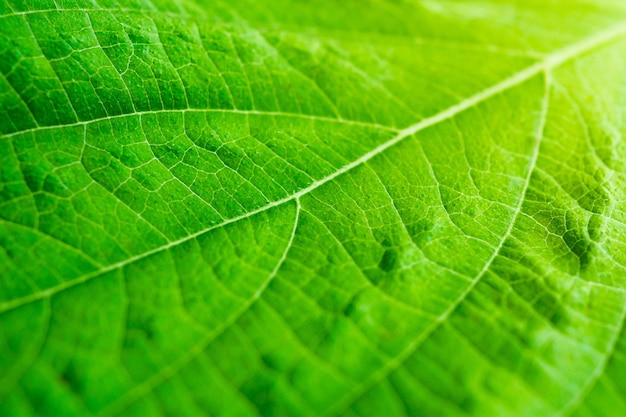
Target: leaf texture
{"points": [[398, 208]]}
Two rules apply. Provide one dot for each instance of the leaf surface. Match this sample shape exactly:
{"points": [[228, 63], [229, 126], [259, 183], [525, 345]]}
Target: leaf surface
{"points": [[310, 208]]}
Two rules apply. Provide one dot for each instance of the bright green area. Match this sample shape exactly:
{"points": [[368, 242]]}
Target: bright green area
{"points": [[312, 208]]}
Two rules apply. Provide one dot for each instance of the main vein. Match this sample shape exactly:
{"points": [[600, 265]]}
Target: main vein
{"points": [[550, 62]]}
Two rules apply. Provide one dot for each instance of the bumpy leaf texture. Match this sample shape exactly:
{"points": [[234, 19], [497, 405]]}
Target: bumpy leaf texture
{"points": [[312, 208]]}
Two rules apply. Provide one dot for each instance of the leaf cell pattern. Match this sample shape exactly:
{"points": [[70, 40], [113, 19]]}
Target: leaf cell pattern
{"points": [[305, 208]]}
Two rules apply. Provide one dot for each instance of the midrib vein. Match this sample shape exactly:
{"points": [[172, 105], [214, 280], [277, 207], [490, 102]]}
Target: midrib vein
{"points": [[550, 62]]}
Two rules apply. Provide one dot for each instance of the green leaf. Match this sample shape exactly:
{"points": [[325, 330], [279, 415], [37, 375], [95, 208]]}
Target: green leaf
{"points": [[282, 208]]}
